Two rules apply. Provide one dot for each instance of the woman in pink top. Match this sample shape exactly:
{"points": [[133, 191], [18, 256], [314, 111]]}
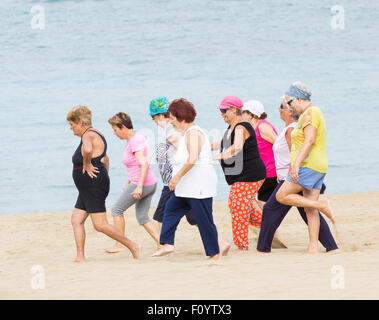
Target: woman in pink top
{"points": [[253, 112], [141, 183]]}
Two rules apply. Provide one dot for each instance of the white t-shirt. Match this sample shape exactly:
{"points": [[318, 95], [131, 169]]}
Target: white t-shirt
{"points": [[201, 181], [282, 154]]}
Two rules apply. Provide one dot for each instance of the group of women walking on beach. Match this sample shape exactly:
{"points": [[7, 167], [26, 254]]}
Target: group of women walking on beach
{"points": [[268, 173]]}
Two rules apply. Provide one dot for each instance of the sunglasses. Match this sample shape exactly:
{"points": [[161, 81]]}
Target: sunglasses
{"points": [[223, 110], [289, 102], [284, 107]]}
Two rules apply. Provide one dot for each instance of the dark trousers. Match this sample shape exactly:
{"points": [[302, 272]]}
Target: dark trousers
{"points": [[177, 207], [272, 216], [159, 212]]}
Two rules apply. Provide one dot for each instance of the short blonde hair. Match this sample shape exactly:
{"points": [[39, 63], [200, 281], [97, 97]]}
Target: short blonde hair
{"points": [[80, 113], [121, 119]]}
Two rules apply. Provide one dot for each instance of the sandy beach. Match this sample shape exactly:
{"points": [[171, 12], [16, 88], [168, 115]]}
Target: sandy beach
{"points": [[41, 246]]}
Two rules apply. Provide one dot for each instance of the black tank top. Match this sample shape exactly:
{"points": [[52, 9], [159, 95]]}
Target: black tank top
{"points": [[77, 158], [246, 165]]}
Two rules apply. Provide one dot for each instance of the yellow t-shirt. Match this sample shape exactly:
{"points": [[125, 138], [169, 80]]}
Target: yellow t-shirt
{"points": [[316, 159]]}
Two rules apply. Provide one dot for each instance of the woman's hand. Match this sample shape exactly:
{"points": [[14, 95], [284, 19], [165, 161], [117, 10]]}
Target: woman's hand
{"points": [[217, 157], [126, 185], [216, 145], [91, 170], [294, 173], [137, 193], [173, 182]]}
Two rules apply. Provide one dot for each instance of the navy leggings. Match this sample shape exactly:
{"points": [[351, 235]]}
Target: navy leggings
{"points": [[177, 207], [272, 216]]}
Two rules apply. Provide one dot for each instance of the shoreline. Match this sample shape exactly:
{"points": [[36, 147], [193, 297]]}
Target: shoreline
{"points": [[214, 201], [44, 241]]}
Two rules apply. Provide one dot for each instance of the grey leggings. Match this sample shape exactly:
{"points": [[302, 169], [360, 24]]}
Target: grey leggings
{"points": [[126, 200]]}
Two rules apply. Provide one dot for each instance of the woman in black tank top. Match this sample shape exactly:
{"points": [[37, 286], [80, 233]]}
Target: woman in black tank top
{"points": [[243, 168], [90, 175]]}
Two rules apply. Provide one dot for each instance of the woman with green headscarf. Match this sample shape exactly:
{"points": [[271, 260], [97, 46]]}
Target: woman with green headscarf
{"points": [[165, 149]]}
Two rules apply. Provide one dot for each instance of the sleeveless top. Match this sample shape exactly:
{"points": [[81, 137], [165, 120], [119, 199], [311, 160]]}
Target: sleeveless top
{"points": [[246, 165], [201, 181], [77, 158], [282, 153], [265, 150]]}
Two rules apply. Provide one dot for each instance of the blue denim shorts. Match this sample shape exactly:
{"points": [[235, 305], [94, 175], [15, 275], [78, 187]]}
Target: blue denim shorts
{"points": [[309, 179]]}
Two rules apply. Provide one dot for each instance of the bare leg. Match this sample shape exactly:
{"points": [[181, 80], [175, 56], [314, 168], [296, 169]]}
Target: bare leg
{"points": [[159, 227], [152, 229], [78, 218], [288, 195], [100, 223], [224, 246], [313, 222], [119, 223]]}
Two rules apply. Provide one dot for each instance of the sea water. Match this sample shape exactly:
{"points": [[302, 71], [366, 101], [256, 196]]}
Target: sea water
{"points": [[118, 55]]}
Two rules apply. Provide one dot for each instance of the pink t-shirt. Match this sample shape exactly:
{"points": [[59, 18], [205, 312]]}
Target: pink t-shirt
{"points": [[133, 167], [265, 151]]}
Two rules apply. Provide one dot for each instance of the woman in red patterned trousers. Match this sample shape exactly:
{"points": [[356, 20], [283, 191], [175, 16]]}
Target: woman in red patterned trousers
{"points": [[243, 168]]}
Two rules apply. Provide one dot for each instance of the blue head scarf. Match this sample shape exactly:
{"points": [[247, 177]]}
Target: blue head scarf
{"points": [[159, 105], [296, 92]]}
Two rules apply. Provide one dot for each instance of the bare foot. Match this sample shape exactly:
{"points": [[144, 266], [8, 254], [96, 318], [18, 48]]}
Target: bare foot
{"points": [[214, 257], [137, 252], [225, 249], [261, 252], [327, 210], [164, 250], [311, 250], [79, 259], [116, 248]]}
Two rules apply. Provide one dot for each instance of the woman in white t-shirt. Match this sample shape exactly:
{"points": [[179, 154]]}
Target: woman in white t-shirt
{"points": [[194, 181]]}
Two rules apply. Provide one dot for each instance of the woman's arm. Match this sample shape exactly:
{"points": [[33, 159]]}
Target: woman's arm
{"points": [[267, 133], [288, 137], [241, 134], [194, 143], [174, 139], [87, 150], [309, 140], [105, 160], [216, 145], [140, 156]]}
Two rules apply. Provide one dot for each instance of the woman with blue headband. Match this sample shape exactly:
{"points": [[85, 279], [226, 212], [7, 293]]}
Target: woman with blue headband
{"points": [[274, 212], [309, 162]]}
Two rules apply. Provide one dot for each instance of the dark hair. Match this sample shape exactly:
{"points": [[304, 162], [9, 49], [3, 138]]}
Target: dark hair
{"points": [[262, 117], [182, 109], [121, 119], [165, 114]]}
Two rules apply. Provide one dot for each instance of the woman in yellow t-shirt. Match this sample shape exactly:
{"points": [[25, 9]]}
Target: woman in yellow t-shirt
{"points": [[309, 163]]}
